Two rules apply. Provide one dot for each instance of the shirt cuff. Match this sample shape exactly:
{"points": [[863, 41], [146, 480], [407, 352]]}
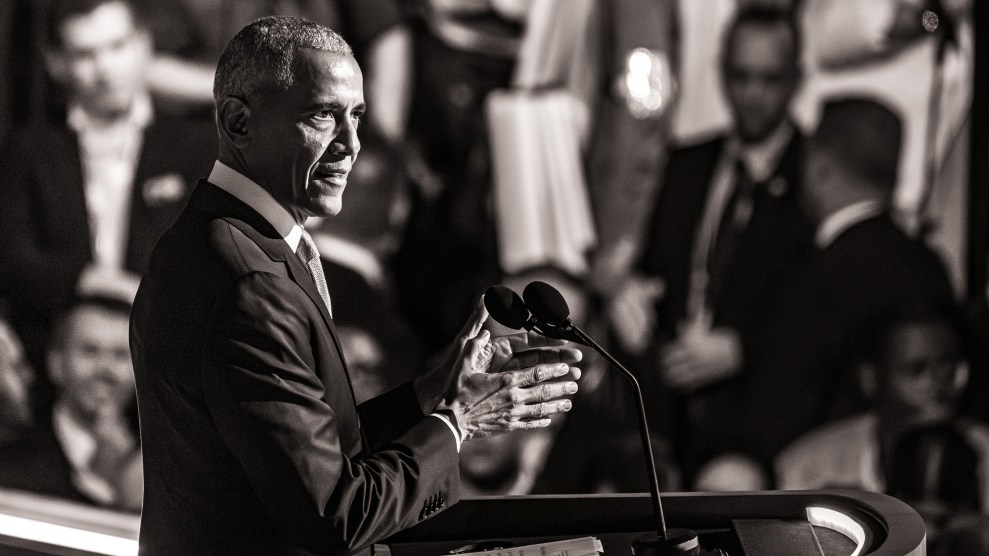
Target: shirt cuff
{"points": [[453, 428]]}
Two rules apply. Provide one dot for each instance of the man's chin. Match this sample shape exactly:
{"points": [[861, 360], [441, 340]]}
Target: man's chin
{"points": [[327, 207]]}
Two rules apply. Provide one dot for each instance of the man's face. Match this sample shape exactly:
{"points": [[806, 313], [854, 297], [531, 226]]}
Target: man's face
{"points": [[760, 77], [93, 364], [304, 139], [924, 372], [103, 59]]}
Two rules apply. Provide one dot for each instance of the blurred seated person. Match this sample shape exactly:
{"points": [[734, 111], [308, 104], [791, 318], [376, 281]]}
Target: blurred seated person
{"points": [[585, 453], [16, 379], [939, 471], [914, 370], [91, 190], [88, 448], [725, 231]]}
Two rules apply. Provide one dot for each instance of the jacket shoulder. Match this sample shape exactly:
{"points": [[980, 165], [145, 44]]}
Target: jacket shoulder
{"points": [[237, 251]]}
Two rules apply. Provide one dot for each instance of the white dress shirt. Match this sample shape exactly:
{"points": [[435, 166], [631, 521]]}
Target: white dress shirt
{"points": [[109, 152], [843, 219]]}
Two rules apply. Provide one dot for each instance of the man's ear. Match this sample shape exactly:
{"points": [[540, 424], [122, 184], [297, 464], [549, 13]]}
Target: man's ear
{"points": [[233, 116], [868, 375]]}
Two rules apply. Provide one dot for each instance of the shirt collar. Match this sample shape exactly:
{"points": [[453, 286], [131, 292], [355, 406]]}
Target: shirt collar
{"points": [[256, 197], [843, 219], [761, 159], [140, 115]]}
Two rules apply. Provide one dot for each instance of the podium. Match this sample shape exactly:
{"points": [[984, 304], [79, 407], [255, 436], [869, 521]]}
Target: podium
{"points": [[843, 522]]}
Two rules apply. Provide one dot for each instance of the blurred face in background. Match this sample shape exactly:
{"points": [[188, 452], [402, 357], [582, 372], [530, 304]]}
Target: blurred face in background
{"points": [[16, 378], [924, 372], [91, 362], [760, 76], [102, 59]]}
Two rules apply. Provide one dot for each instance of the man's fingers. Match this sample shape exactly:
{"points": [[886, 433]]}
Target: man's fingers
{"points": [[523, 341], [474, 323], [543, 356], [542, 392], [539, 410], [535, 375], [480, 351]]}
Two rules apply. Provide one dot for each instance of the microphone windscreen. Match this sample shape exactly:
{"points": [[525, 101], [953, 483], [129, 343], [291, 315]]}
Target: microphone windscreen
{"points": [[506, 307], [546, 303]]}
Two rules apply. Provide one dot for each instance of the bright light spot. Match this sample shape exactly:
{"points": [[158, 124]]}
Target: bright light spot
{"points": [[60, 535]]}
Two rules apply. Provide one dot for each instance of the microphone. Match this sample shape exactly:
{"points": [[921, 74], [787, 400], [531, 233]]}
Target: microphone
{"points": [[507, 309], [550, 311]]}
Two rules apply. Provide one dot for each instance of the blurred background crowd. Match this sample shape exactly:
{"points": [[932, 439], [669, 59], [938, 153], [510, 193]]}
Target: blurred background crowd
{"points": [[764, 207]]}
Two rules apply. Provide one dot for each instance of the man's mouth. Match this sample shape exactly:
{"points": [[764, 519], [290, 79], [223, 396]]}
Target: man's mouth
{"points": [[335, 176]]}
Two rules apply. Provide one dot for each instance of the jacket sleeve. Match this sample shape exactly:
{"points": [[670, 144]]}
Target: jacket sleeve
{"points": [[268, 404], [37, 275]]}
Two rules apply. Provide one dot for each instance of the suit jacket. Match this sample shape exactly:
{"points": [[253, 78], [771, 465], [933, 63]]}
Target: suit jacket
{"points": [[252, 440], [44, 223], [814, 332], [777, 236], [36, 463]]}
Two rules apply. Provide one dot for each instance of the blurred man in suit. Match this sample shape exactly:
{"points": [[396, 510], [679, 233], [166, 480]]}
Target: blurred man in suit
{"points": [[724, 232], [253, 441], [89, 192], [864, 267]]}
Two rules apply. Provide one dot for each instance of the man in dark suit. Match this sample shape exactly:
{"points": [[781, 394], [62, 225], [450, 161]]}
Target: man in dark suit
{"points": [[724, 232], [89, 192], [252, 439], [864, 267]]}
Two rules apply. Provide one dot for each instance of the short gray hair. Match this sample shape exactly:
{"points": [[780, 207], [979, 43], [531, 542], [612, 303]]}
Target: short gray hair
{"points": [[261, 57]]}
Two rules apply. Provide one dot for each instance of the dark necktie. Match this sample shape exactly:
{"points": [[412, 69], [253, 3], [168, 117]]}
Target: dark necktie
{"points": [[734, 220]]}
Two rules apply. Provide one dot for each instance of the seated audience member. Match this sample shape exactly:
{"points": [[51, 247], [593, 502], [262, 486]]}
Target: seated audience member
{"points": [[91, 190], [88, 448], [583, 454], [914, 370], [863, 268], [939, 471], [16, 379], [725, 230]]}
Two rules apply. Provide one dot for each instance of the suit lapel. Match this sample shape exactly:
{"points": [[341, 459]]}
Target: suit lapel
{"points": [[218, 202], [64, 185]]}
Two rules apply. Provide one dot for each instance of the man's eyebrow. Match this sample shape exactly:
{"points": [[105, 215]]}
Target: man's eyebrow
{"points": [[332, 105]]}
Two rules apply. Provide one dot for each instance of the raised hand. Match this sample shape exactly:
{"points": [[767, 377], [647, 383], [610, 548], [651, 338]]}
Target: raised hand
{"points": [[487, 403]]}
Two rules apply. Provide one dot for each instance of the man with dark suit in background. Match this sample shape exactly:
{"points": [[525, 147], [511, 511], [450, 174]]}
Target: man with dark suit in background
{"points": [[88, 193], [725, 230], [252, 439], [863, 267]]}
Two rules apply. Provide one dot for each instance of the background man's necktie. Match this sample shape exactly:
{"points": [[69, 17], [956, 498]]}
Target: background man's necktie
{"points": [[310, 257], [734, 221]]}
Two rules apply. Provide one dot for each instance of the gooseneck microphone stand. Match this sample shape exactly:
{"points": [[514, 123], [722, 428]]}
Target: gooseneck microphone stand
{"points": [[551, 317]]}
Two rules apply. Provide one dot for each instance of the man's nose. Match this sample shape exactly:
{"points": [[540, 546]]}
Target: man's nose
{"points": [[346, 142]]}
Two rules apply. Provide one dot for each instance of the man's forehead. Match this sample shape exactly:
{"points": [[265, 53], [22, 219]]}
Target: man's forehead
{"points": [[339, 65], [762, 42], [105, 24]]}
